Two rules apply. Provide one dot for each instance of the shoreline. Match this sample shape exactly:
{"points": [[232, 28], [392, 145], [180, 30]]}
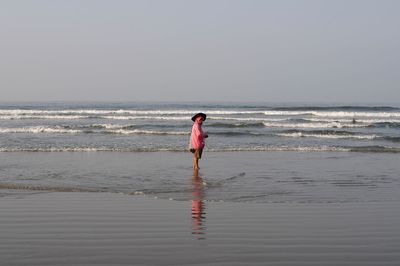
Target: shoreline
{"points": [[228, 177]]}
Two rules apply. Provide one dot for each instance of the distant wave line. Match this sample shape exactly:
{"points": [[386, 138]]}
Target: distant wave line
{"points": [[122, 112], [332, 114], [128, 112], [335, 108], [350, 120], [332, 118]]}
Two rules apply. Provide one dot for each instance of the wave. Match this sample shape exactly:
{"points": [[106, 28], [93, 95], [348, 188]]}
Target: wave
{"points": [[125, 126], [366, 149], [285, 122], [333, 114], [236, 125], [336, 134], [350, 120], [385, 125], [86, 129], [337, 108], [303, 122], [185, 115], [358, 114], [21, 117], [313, 125], [325, 134], [375, 149], [107, 126], [184, 118], [252, 121], [48, 188], [247, 119], [40, 129], [89, 149], [69, 112], [74, 117], [146, 132], [378, 149], [214, 109], [392, 139], [329, 134], [237, 134]]}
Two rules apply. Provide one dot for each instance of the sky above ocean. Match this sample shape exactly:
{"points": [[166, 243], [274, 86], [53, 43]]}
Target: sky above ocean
{"points": [[275, 51]]}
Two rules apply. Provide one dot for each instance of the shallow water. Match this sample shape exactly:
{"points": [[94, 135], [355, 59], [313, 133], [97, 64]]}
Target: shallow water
{"points": [[226, 176]]}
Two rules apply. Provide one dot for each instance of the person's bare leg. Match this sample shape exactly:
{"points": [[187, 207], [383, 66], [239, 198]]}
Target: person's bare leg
{"points": [[195, 163], [196, 174]]}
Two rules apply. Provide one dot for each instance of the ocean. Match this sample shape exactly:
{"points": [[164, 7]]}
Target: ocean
{"points": [[255, 152]]}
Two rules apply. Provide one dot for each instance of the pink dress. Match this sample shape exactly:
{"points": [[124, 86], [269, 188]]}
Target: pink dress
{"points": [[197, 136]]}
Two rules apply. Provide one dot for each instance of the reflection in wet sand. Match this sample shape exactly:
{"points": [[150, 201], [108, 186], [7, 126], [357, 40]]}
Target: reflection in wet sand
{"points": [[198, 207]]}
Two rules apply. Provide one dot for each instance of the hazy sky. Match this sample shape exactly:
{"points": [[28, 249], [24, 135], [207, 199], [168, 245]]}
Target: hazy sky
{"points": [[216, 50]]}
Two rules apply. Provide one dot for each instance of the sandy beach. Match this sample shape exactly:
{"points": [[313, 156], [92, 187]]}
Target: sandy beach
{"points": [[68, 228]]}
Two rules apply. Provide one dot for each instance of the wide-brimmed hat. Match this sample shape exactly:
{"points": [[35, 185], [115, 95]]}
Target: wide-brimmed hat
{"points": [[204, 116]]}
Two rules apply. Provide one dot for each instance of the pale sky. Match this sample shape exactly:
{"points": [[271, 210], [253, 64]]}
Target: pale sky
{"points": [[204, 50]]}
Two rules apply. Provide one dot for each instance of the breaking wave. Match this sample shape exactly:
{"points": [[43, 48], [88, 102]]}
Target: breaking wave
{"points": [[108, 129], [40, 129], [336, 108], [333, 114], [382, 149], [330, 134], [313, 125]]}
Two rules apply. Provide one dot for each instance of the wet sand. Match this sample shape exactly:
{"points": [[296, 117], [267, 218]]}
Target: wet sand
{"points": [[71, 228]]}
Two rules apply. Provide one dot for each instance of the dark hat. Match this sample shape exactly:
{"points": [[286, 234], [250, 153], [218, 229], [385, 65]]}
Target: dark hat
{"points": [[199, 114]]}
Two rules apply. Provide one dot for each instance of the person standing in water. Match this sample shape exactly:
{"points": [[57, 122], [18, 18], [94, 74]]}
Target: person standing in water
{"points": [[197, 137]]}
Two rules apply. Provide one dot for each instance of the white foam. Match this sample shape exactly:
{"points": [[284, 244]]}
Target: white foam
{"points": [[39, 129], [284, 148], [147, 132], [122, 112], [333, 114], [145, 117], [109, 117], [253, 119], [89, 149], [350, 120], [11, 117], [113, 129], [185, 115], [229, 149], [357, 114], [55, 149], [312, 125], [108, 126], [327, 136]]}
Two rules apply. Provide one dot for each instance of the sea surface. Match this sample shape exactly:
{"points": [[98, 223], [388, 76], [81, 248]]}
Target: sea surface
{"points": [[255, 152]]}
